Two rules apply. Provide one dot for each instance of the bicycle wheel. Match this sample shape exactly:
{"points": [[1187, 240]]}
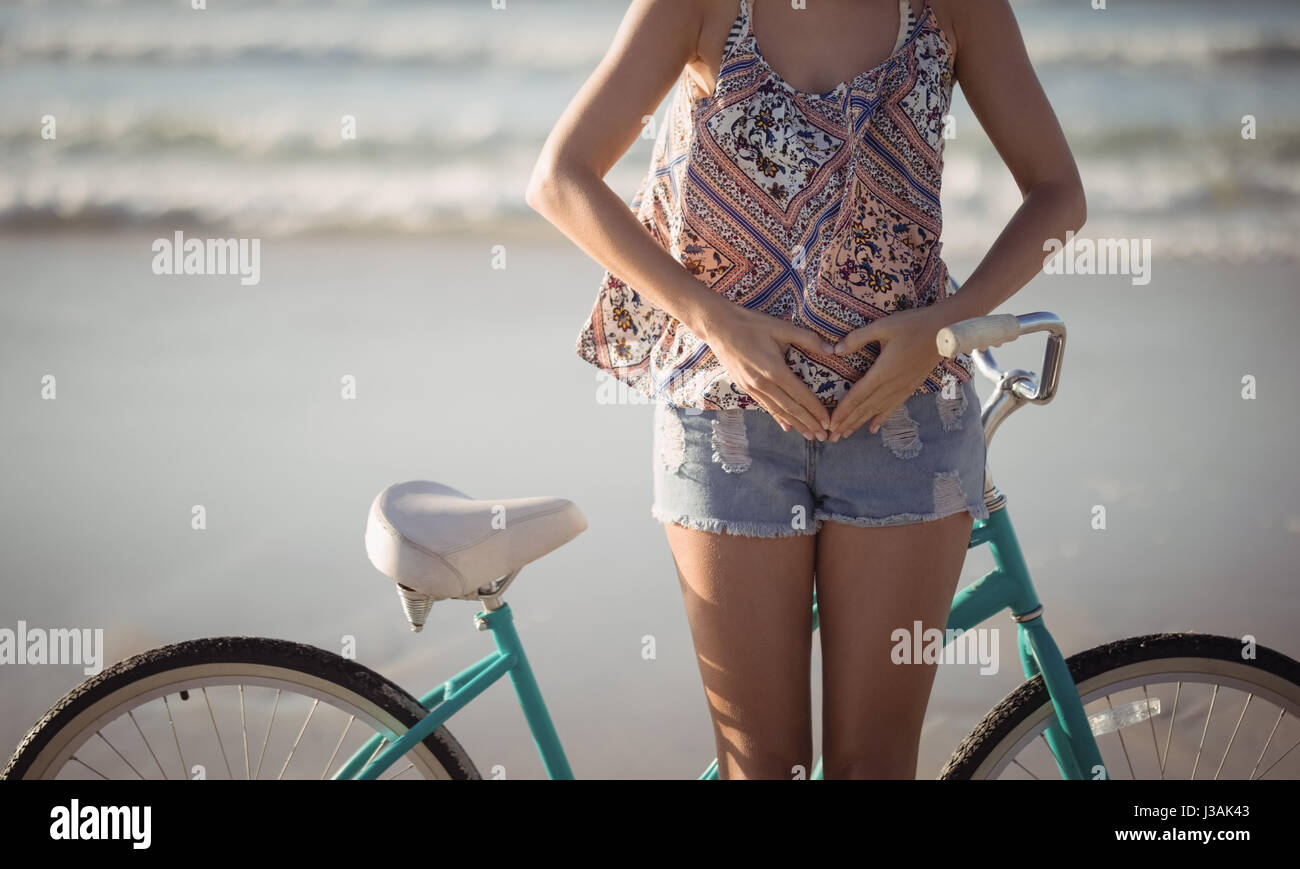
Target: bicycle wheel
{"points": [[230, 707], [1152, 703]]}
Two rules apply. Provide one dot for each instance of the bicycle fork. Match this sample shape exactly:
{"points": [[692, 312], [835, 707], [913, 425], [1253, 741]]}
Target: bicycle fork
{"points": [[1070, 737], [1008, 586]]}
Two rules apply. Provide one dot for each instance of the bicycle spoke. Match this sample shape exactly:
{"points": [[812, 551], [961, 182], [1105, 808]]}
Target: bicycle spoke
{"points": [[1123, 745], [1022, 766], [1233, 738], [1025, 768], [101, 735], [131, 714], [329, 763], [1169, 737], [89, 767], [185, 770], [1269, 742], [409, 766], [1214, 696], [267, 738], [301, 731], [1279, 760], [243, 728], [1151, 720], [220, 744], [378, 748]]}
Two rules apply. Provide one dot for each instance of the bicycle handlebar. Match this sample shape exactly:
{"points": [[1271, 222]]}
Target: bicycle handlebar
{"points": [[978, 333], [1016, 387]]}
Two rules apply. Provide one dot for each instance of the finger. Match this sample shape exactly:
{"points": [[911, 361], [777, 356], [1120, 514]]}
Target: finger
{"points": [[885, 407], [892, 406], [878, 419], [773, 407], [870, 406], [807, 339], [789, 423], [859, 338], [804, 421], [793, 385], [855, 420], [863, 392], [845, 408]]}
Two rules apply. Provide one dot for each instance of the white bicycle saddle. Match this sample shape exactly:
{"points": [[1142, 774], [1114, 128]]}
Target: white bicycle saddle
{"points": [[442, 543]]}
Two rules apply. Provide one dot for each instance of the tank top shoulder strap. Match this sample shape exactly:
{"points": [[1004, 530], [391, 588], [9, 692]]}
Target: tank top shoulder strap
{"points": [[739, 30], [906, 21]]}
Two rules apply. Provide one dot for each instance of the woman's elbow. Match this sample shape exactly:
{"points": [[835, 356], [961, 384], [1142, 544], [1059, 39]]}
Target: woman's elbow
{"points": [[1067, 201], [550, 174], [540, 186], [1076, 205]]}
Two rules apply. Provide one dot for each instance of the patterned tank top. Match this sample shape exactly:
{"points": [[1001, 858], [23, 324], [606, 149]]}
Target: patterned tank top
{"points": [[820, 209]]}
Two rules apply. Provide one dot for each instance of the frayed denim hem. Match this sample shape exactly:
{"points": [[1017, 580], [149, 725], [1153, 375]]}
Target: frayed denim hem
{"points": [[977, 511], [726, 526]]}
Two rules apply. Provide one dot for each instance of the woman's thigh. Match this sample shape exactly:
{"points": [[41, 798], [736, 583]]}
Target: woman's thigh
{"points": [[731, 489], [749, 604], [872, 582]]}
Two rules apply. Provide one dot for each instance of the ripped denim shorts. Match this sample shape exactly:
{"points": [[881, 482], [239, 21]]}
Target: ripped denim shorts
{"points": [[737, 471]]}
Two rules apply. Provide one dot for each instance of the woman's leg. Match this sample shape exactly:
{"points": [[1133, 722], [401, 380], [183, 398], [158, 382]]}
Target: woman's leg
{"points": [[870, 582], [749, 603]]}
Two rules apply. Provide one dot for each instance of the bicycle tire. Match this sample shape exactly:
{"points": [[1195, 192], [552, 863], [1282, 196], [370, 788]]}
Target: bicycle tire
{"points": [[83, 706], [984, 749]]}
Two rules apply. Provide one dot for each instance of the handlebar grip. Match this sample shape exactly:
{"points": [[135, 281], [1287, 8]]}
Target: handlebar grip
{"points": [[977, 333]]}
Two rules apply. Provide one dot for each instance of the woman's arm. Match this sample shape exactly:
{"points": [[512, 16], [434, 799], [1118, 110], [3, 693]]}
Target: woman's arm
{"points": [[655, 41], [1004, 93]]}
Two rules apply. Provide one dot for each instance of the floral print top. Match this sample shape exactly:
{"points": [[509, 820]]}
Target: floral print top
{"points": [[820, 209]]}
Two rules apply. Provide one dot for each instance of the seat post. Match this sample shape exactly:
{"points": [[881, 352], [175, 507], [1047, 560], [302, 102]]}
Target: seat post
{"points": [[491, 595]]}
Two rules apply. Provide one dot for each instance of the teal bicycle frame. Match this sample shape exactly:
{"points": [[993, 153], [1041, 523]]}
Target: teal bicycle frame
{"points": [[1007, 586]]}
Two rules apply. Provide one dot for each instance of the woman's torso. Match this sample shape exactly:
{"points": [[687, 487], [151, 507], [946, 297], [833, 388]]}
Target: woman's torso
{"points": [[819, 208]]}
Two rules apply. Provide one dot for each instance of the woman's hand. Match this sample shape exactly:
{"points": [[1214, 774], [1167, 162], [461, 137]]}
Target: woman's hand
{"points": [[751, 346], [907, 356]]}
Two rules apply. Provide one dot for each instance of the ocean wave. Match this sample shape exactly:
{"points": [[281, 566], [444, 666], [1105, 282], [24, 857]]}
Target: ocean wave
{"points": [[1192, 51], [1197, 49], [310, 133], [437, 37], [282, 139], [571, 38]]}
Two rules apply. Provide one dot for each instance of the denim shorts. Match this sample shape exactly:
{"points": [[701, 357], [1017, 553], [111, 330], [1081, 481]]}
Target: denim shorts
{"points": [[739, 472]]}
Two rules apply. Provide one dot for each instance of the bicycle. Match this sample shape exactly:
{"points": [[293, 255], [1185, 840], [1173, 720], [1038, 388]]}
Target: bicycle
{"points": [[436, 543]]}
